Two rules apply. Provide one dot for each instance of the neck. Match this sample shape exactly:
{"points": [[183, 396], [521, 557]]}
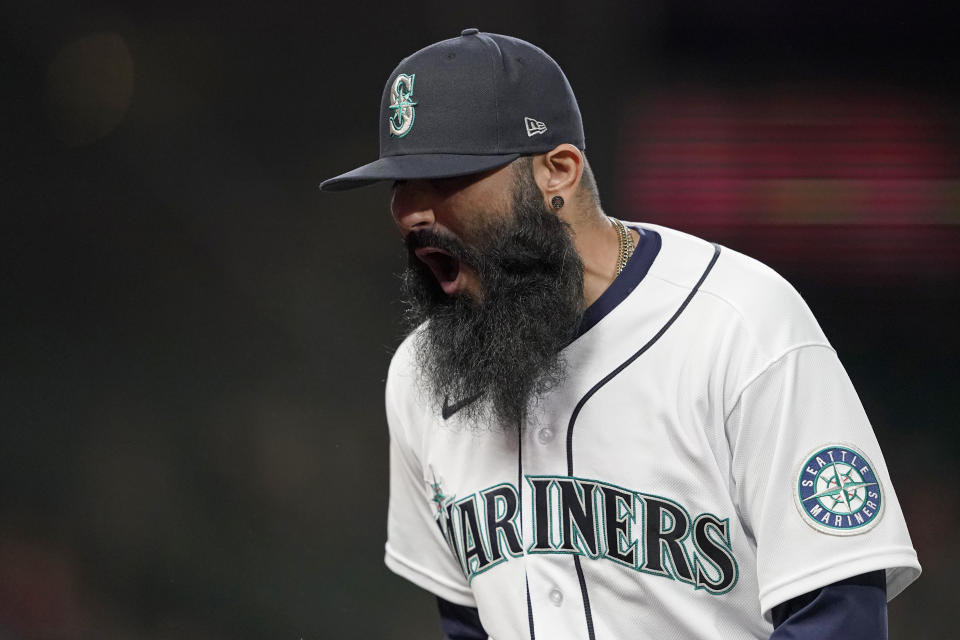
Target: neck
{"points": [[597, 242]]}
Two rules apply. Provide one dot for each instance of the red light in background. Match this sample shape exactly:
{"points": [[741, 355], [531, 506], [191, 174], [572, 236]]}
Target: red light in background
{"points": [[861, 183]]}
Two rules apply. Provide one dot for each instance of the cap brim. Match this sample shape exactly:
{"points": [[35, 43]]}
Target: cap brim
{"points": [[422, 166]]}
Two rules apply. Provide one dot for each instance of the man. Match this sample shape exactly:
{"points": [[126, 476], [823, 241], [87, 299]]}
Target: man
{"points": [[600, 429]]}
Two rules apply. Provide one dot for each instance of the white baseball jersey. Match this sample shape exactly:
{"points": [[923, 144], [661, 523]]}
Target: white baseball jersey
{"points": [[706, 459]]}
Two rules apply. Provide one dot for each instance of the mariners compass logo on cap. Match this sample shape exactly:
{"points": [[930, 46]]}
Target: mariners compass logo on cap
{"points": [[402, 105], [838, 491]]}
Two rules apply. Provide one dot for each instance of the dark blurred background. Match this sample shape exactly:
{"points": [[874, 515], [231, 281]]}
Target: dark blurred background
{"points": [[195, 339]]}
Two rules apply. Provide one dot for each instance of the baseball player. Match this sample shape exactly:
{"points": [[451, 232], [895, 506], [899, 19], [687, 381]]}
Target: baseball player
{"points": [[602, 429]]}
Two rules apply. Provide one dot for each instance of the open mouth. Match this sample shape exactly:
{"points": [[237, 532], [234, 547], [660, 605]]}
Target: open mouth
{"points": [[445, 267]]}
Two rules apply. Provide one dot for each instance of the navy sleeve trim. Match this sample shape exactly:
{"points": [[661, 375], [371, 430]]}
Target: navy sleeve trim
{"points": [[851, 609], [460, 622]]}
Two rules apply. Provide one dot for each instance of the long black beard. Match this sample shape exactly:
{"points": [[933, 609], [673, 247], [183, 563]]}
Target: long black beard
{"points": [[503, 350]]}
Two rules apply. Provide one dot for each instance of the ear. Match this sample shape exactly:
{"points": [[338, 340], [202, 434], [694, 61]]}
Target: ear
{"points": [[558, 172]]}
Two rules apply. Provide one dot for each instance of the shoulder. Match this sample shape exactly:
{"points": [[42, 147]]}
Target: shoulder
{"points": [[740, 289], [406, 404], [402, 376], [403, 362]]}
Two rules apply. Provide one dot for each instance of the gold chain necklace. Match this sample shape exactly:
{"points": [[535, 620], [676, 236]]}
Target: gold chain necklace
{"points": [[626, 244]]}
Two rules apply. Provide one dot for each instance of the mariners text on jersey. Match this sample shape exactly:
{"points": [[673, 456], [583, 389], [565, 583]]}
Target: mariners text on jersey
{"points": [[647, 533]]}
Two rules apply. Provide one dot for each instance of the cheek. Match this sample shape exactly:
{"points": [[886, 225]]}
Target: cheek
{"points": [[481, 204], [475, 222], [458, 220]]}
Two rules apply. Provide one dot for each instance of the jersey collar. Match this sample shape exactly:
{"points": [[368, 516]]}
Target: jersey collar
{"points": [[623, 285]]}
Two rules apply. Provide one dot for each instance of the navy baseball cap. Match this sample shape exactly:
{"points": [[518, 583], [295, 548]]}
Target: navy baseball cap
{"points": [[465, 105]]}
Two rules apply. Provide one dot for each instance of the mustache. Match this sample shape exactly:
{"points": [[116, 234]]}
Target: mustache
{"points": [[435, 239]]}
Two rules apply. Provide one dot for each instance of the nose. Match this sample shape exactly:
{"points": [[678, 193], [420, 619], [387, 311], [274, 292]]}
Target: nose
{"points": [[412, 206]]}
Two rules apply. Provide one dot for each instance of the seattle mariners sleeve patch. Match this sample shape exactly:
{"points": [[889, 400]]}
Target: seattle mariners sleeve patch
{"points": [[838, 491]]}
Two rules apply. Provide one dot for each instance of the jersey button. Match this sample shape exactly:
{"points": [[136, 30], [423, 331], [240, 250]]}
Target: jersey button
{"points": [[544, 436], [556, 598]]}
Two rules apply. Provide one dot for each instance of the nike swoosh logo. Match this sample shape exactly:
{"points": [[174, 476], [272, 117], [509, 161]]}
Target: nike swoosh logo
{"points": [[450, 409]]}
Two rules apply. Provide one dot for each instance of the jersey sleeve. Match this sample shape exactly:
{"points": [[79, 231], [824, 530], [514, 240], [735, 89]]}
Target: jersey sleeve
{"points": [[810, 480], [852, 609], [459, 622], [415, 547]]}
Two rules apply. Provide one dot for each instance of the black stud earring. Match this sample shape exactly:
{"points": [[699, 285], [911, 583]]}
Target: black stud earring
{"points": [[557, 202]]}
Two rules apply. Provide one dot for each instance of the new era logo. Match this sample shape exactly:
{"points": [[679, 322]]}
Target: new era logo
{"points": [[534, 127]]}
